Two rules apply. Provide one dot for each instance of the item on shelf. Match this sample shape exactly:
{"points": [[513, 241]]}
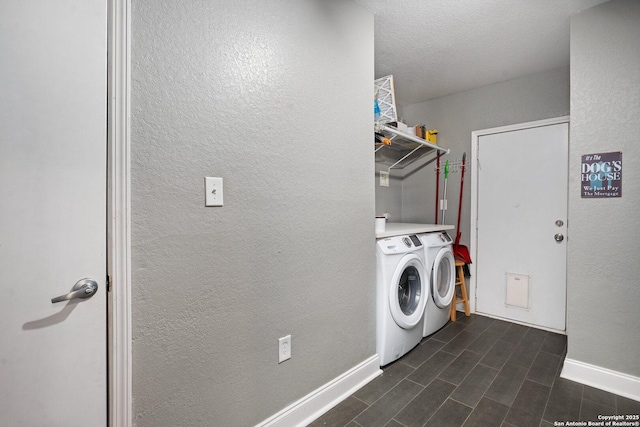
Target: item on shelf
{"points": [[385, 96], [431, 135], [381, 140]]}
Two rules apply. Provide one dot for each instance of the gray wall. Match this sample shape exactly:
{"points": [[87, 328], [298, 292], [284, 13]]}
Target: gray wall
{"points": [[389, 199], [604, 237], [265, 95], [535, 97]]}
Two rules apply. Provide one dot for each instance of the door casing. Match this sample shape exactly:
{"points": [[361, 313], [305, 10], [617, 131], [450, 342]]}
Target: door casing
{"points": [[119, 214], [473, 243]]}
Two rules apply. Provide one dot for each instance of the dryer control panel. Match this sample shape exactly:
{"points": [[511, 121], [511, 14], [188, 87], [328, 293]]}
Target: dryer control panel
{"points": [[445, 237], [436, 240]]}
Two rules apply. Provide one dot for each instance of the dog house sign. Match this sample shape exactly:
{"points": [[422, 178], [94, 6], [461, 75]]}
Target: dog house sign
{"points": [[601, 175]]}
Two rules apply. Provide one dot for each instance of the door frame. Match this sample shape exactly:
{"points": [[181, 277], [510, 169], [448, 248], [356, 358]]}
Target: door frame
{"points": [[473, 223], [118, 207]]}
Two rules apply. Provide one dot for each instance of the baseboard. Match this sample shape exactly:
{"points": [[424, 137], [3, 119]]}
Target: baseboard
{"points": [[602, 378], [321, 400]]}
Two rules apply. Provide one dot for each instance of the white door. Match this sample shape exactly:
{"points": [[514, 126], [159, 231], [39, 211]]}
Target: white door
{"points": [[52, 212], [522, 225]]}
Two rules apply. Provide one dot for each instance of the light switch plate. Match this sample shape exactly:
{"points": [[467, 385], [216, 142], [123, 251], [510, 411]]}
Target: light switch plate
{"points": [[213, 191], [384, 179]]}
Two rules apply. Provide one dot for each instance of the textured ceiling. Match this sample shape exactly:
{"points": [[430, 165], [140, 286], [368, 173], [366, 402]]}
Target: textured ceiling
{"points": [[439, 47]]}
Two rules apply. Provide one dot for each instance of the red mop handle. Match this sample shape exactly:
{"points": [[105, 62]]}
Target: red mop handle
{"points": [[458, 233], [437, 188]]}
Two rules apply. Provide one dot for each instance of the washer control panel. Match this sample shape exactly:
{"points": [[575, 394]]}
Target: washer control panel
{"points": [[399, 244]]}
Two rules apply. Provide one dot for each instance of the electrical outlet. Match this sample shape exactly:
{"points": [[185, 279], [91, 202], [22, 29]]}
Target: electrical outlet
{"points": [[213, 191], [384, 179], [284, 348]]}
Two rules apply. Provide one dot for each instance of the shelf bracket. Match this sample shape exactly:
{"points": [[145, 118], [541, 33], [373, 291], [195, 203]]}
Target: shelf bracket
{"points": [[413, 151]]}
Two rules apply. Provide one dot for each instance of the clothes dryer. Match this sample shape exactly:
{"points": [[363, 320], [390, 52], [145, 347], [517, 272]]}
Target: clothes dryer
{"points": [[401, 295], [440, 269]]}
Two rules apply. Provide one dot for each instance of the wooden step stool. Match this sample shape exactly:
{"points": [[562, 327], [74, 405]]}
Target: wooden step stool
{"points": [[462, 297]]}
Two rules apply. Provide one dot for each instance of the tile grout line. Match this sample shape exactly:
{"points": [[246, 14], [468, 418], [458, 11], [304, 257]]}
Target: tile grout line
{"points": [[388, 391], [357, 398], [437, 377], [521, 384], [544, 410], [469, 373], [581, 400], [407, 404]]}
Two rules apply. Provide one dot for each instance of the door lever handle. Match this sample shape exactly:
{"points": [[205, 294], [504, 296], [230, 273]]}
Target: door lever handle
{"points": [[84, 288]]}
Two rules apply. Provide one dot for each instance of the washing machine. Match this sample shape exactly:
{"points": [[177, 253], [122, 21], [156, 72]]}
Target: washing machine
{"points": [[441, 274], [401, 295]]}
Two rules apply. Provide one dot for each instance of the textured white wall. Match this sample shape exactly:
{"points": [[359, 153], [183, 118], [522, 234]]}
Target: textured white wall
{"points": [[275, 97], [604, 237], [535, 97]]}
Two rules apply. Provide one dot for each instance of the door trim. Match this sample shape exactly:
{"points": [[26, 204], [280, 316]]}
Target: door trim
{"points": [[473, 243], [119, 214]]}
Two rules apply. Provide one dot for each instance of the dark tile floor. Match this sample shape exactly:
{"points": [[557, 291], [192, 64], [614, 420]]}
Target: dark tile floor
{"points": [[477, 372]]}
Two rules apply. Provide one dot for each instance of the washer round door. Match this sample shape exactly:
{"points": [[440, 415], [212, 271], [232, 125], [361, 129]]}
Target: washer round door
{"points": [[443, 278], [408, 293]]}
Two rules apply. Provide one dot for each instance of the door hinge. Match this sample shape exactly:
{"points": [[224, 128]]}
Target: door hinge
{"points": [[108, 283]]}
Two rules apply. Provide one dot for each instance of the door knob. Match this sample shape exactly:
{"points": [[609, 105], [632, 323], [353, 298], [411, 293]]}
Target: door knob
{"points": [[559, 237], [84, 288]]}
